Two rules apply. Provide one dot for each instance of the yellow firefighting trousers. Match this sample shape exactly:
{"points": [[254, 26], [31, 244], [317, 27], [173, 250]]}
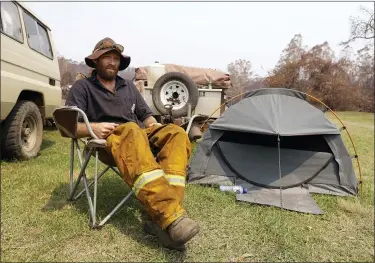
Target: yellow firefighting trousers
{"points": [[159, 184]]}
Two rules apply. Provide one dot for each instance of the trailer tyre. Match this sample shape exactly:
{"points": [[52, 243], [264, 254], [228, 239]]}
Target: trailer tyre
{"points": [[22, 132], [177, 89]]}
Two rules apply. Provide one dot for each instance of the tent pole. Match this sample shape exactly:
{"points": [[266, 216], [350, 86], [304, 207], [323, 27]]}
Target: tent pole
{"points": [[347, 132], [279, 153]]}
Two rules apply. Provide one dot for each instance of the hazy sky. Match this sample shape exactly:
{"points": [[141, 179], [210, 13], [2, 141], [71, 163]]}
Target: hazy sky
{"points": [[196, 34]]}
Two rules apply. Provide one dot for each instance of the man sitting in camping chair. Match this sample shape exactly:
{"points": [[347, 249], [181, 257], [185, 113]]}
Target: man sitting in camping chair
{"points": [[118, 113]]}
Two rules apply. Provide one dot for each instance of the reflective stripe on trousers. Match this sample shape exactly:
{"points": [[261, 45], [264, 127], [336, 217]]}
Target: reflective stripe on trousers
{"points": [[177, 180], [145, 178]]}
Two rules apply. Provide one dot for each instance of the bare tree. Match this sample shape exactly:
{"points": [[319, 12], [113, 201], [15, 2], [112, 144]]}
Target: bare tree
{"points": [[362, 27], [240, 75], [294, 51], [67, 79], [289, 70]]}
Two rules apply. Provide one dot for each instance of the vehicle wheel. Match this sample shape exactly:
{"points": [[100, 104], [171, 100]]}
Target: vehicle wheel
{"points": [[22, 132], [177, 89]]}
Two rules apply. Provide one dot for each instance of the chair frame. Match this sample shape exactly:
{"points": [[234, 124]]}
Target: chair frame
{"points": [[66, 119]]}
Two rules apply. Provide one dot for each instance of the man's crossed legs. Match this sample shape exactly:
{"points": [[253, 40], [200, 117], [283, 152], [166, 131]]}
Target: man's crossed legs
{"points": [[159, 186]]}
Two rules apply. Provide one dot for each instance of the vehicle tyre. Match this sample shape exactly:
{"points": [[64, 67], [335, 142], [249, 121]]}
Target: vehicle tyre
{"points": [[177, 89], [22, 132]]}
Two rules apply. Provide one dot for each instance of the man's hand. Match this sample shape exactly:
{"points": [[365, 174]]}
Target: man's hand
{"points": [[154, 124], [150, 121], [103, 129]]}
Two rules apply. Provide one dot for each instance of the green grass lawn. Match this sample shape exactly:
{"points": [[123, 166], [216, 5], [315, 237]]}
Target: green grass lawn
{"points": [[38, 224]]}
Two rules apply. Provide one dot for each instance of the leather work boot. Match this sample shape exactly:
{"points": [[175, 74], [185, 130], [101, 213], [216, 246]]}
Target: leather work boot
{"points": [[154, 229], [182, 230]]}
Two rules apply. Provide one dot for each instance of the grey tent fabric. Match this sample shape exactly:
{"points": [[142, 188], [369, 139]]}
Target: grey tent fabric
{"points": [[344, 160], [280, 91], [274, 114], [242, 144], [295, 199], [297, 166], [207, 166]]}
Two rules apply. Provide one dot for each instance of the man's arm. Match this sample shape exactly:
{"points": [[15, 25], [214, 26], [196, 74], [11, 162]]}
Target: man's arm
{"points": [[101, 129], [150, 121], [142, 110], [77, 97], [83, 131]]}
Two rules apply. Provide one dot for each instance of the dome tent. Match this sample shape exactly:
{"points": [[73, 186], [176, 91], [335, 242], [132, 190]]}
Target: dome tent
{"points": [[280, 147]]}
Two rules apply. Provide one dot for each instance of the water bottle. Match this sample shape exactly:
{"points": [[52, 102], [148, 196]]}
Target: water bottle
{"points": [[238, 189]]}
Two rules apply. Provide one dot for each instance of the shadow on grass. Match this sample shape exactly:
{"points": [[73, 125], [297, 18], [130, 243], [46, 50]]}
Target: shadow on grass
{"points": [[46, 144], [110, 191], [50, 128]]}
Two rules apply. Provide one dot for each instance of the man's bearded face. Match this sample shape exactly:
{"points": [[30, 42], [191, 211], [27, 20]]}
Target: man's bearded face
{"points": [[107, 65]]}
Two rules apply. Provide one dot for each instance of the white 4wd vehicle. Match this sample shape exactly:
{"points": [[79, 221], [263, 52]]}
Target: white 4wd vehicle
{"points": [[30, 81]]}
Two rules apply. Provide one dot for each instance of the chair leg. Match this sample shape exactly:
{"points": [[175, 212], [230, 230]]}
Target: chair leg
{"points": [[95, 184], [115, 170], [72, 185], [122, 202], [89, 199], [91, 183], [92, 201], [81, 174], [71, 168], [118, 206]]}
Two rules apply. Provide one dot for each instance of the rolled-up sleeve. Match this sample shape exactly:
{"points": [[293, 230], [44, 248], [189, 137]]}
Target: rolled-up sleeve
{"points": [[142, 110]]}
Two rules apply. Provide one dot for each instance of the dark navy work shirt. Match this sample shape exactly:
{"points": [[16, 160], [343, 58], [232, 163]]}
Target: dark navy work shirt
{"points": [[126, 104]]}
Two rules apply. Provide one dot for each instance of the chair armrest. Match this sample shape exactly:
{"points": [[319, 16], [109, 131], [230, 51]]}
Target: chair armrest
{"points": [[66, 119], [96, 143]]}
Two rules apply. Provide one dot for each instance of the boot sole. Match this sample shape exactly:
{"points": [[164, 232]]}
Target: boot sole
{"points": [[190, 236], [163, 237]]}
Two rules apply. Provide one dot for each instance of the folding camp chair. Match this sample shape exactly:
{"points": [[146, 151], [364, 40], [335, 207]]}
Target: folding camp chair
{"points": [[66, 118]]}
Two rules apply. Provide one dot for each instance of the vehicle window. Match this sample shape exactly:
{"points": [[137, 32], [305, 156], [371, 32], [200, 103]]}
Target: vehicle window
{"points": [[10, 21], [45, 46], [37, 36]]}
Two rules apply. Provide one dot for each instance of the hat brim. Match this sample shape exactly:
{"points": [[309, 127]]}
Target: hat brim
{"points": [[124, 60]]}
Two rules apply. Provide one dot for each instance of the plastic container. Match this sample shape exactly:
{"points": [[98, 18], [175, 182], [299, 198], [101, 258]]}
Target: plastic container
{"points": [[238, 189], [155, 71]]}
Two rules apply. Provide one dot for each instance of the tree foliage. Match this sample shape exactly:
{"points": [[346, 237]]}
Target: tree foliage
{"points": [[338, 82]]}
